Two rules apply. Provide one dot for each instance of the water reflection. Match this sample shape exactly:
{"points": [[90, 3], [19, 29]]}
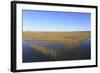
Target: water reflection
{"points": [[42, 50]]}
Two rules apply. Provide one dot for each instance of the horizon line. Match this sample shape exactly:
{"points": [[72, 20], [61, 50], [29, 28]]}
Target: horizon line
{"points": [[56, 31]]}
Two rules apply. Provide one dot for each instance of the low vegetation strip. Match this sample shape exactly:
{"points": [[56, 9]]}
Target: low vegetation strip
{"points": [[45, 51], [56, 36], [72, 39]]}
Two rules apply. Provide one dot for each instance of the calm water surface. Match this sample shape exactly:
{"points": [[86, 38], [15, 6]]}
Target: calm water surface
{"points": [[60, 51]]}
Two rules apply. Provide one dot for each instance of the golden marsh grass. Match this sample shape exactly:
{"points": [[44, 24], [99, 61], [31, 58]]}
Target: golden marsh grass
{"points": [[69, 38]]}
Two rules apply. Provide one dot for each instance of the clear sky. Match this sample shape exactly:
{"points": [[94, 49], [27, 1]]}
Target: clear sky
{"points": [[34, 20]]}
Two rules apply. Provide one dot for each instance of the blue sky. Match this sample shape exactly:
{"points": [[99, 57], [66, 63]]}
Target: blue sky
{"points": [[34, 20]]}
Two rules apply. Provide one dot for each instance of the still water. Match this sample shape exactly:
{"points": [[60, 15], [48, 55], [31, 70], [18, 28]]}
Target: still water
{"points": [[52, 51]]}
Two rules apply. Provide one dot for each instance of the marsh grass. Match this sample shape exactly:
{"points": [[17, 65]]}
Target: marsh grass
{"points": [[72, 39], [45, 51], [56, 35]]}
